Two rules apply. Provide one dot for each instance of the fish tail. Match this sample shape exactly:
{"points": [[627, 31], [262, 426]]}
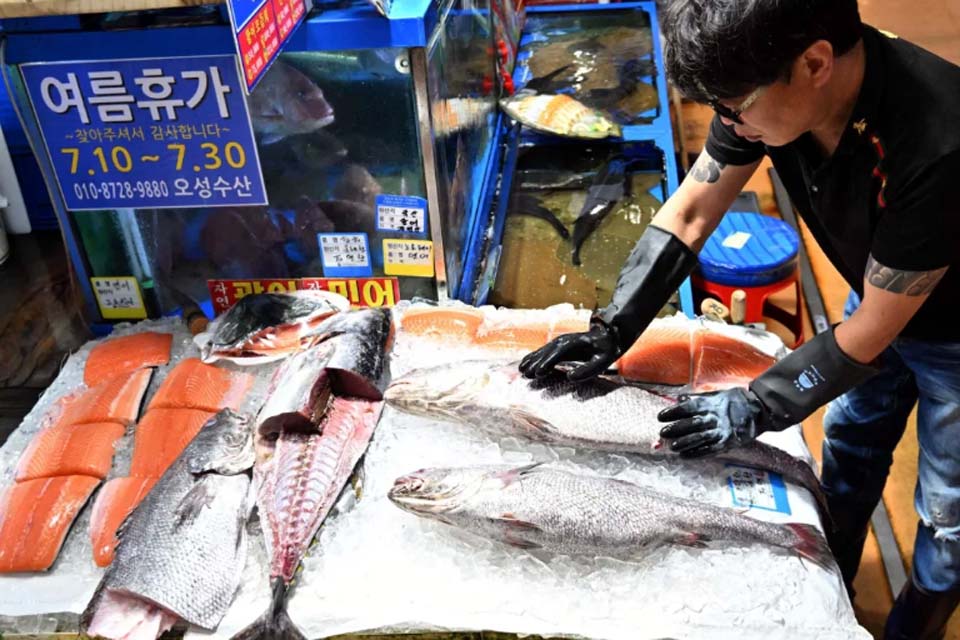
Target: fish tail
{"points": [[810, 544], [275, 624]]}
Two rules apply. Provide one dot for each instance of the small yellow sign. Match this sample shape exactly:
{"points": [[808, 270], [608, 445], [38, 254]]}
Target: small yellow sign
{"points": [[408, 258], [119, 298]]}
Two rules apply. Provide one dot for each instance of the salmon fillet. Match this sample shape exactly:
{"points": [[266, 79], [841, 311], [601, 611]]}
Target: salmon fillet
{"points": [[685, 355], [35, 517], [195, 385], [457, 324], [525, 337], [126, 354], [568, 325], [161, 437], [67, 450], [116, 500], [117, 399]]}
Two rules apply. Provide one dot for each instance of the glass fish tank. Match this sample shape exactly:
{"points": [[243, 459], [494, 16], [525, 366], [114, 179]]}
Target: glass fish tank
{"points": [[604, 59], [364, 127], [574, 213]]}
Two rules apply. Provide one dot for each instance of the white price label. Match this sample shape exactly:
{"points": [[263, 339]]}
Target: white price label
{"points": [[406, 214], [752, 488], [344, 250]]}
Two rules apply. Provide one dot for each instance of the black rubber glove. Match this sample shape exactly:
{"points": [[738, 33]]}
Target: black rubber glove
{"points": [[785, 394], [655, 268]]}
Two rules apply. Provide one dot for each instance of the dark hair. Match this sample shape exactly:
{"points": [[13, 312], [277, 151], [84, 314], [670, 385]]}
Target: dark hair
{"points": [[718, 49]]}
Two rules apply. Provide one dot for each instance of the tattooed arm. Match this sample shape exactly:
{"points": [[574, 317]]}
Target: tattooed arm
{"points": [[695, 209], [890, 298]]}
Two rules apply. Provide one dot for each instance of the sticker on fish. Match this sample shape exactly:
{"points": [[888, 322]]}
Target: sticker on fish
{"points": [[261, 28], [407, 214], [147, 133], [757, 489], [345, 254], [119, 298], [408, 258]]}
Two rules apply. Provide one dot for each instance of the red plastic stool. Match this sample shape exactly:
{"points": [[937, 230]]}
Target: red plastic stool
{"points": [[758, 306]]}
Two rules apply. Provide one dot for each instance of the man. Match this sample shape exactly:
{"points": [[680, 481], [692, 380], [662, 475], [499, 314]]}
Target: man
{"points": [[864, 130]]}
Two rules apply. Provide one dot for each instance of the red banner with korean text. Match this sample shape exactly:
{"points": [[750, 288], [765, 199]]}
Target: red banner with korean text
{"points": [[361, 292]]}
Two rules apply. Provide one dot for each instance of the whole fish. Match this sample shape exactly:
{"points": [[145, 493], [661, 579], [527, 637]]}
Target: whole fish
{"points": [[607, 189], [357, 185], [182, 551], [600, 413], [286, 103], [301, 472], [536, 507], [525, 204], [559, 115], [264, 327]]}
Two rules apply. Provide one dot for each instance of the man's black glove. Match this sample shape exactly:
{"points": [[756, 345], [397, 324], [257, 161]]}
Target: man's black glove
{"points": [[785, 394], [655, 268]]}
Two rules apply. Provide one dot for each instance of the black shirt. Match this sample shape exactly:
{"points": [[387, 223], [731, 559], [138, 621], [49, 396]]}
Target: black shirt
{"points": [[892, 187]]}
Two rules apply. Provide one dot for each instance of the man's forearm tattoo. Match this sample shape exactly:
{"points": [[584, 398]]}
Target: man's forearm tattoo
{"points": [[706, 169], [911, 283]]}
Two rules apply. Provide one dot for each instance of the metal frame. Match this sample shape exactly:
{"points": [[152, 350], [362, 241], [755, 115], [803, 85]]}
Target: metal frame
{"points": [[418, 69]]}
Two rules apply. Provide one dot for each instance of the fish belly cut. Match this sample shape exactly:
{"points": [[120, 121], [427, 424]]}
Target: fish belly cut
{"points": [[195, 385], [161, 436], [67, 450], [116, 500], [126, 354], [35, 517], [458, 325]]}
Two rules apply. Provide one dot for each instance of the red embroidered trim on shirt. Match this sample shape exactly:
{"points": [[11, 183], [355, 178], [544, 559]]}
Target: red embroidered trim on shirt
{"points": [[877, 172]]}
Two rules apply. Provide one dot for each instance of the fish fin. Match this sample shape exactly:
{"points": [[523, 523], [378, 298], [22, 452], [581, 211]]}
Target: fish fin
{"points": [[517, 531], [271, 138], [275, 624], [812, 545], [199, 496], [512, 475], [533, 426], [692, 540]]}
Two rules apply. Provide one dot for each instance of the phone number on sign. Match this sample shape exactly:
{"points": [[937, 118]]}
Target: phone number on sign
{"points": [[121, 190]]}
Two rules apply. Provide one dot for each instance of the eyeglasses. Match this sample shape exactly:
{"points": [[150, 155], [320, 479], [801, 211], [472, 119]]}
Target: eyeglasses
{"points": [[726, 112]]}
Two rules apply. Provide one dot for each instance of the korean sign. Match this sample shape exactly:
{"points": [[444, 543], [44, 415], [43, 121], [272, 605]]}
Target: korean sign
{"points": [[261, 28], [361, 292], [119, 298], [163, 132]]}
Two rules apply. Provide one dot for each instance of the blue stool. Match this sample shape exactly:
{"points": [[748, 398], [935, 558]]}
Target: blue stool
{"points": [[758, 255]]}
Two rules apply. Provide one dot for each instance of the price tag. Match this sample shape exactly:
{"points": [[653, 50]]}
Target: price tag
{"points": [[408, 258], [119, 298], [345, 254], [406, 214], [757, 489]]}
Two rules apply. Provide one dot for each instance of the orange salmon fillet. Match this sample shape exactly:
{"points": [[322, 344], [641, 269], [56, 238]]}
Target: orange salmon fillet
{"points": [[459, 324], [161, 436], [195, 385], [116, 500], [126, 354], [526, 337], [704, 359], [568, 325], [35, 517], [116, 400], [67, 450]]}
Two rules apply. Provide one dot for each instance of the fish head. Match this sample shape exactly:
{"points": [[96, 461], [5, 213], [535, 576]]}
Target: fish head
{"points": [[436, 392], [224, 445], [307, 102], [439, 492]]}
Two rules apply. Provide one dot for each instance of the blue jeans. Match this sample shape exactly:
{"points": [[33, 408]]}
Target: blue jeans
{"points": [[862, 429]]}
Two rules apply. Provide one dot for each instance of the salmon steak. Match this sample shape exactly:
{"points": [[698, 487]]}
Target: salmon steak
{"points": [[116, 500], [451, 323], [195, 385], [686, 354], [117, 400], [161, 436], [35, 517], [126, 354], [67, 450]]}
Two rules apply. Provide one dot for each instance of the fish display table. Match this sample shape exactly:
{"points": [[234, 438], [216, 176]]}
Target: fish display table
{"points": [[378, 571]]}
